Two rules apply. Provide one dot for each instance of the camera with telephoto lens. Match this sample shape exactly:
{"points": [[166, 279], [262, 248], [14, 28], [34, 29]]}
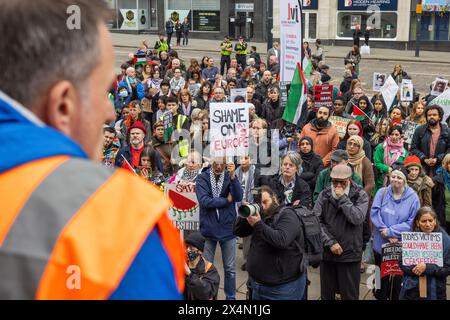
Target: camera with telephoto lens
{"points": [[247, 210], [289, 131]]}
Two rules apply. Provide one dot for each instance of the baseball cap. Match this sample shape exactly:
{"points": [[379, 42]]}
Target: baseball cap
{"points": [[339, 155]]}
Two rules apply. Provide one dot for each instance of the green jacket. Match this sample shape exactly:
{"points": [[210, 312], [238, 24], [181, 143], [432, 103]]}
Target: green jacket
{"points": [[381, 168], [223, 48], [324, 181]]}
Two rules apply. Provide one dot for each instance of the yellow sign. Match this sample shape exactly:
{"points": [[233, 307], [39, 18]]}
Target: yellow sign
{"points": [[419, 8]]}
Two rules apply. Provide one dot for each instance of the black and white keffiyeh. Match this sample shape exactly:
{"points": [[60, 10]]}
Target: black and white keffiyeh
{"points": [[216, 185]]}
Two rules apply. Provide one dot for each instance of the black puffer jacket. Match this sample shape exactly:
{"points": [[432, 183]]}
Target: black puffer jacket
{"points": [[342, 222], [301, 190], [202, 283], [274, 257], [272, 111]]}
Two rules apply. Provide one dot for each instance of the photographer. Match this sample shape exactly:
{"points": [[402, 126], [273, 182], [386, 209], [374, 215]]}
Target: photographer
{"points": [[274, 261]]}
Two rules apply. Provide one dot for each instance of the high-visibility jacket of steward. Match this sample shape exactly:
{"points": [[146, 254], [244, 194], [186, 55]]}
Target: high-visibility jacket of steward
{"points": [[241, 49], [223, 48], [183, 144], [72, 229]]}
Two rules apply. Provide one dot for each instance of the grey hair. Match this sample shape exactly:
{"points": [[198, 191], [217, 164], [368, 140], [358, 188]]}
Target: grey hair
{"points": [[295, 158], [37, 49]]}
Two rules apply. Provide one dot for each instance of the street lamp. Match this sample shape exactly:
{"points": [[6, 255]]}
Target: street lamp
{"points": [[419, 9], [269, 23]]}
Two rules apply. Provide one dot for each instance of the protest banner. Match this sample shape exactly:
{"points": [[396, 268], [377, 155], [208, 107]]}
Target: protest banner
{"points": [[284, 93], [439, 86], [389, 91], [168, 125], [420, 247], [408, 128], [229, 129], [291, 40], [238, 94], [444, 101], [340, 124], [406, 90], [378, 81], [323, 96], [185, 212], [390, 258]]}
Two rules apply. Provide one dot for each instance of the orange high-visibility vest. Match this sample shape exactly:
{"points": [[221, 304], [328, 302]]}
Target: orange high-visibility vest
{"points": [[63, 217]]}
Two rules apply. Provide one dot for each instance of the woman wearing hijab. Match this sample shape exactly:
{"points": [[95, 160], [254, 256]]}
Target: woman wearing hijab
{"points": [[354, 128], [312, 164], [389, 154], [360, 163]]}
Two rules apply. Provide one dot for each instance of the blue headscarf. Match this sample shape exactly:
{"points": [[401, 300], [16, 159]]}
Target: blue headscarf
{"points": [[445, 175]]}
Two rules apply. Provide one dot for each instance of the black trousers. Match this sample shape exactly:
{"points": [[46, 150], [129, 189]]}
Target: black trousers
{"points": [[390, 285], [340, 277], [185, 38], [179, 38], [224, 60], [242, 60], [169, 38]]}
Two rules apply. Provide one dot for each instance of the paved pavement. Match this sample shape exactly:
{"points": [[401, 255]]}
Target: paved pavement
{"points": [[365, 293], [423, 70], [133, 41]]}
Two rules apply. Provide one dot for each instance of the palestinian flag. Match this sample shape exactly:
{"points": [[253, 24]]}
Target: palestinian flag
{"points": [[307, 67], [297, 96], [358, 114]]}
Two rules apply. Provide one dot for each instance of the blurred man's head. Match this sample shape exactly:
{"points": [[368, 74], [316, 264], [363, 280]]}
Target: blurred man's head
{"points": [[69, 72]]}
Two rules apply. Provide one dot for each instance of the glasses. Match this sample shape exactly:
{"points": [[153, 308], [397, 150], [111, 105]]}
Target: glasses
{"points": [[339, 182]]}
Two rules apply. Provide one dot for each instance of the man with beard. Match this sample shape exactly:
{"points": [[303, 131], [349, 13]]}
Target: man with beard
{"points": [[274, 261], [110, 146], [342, 209], [263, 86], [431, 142], [324, 135]]}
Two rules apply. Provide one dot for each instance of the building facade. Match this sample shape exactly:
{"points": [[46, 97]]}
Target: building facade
{"points": [[332, 21]]}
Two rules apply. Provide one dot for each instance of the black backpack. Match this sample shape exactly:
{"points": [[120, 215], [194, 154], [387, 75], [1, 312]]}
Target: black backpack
{"points": [[312, 247]]}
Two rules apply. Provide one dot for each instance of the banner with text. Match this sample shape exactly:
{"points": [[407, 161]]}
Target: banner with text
{"points": [[229, 129], [390, 258], [443, 100], [185, 212], [340, 124], [419, 247], [323, 96], [290, 38]]}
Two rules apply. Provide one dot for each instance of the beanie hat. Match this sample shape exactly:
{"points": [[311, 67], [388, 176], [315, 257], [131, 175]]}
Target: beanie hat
{"points": [[413, 161], [138, 125], [401, 174], [196, 240]]}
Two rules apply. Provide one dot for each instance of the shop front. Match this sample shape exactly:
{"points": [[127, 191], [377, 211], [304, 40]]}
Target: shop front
{"points": [[380, 15], [134, 15], [434, 26]]}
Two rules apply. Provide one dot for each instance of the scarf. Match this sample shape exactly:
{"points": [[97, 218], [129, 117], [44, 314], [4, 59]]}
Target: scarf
{"points": [[445, 175], [307, 157], [396, 149], [288, 189], [357, 159], [216, 185], [189, 176]]}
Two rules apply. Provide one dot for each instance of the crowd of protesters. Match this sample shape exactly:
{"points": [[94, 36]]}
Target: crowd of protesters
{"points": [[366, 186]]}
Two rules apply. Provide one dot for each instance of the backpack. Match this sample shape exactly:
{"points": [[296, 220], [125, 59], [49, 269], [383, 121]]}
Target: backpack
{"points": [[312, 247]]}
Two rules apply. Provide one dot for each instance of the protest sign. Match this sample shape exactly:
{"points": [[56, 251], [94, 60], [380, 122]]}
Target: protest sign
{"points": [[439, 86], [390, 258], [184, 213], [389, 91], [284, 93], [406, 90], [229, 129], [444, 101], [408, 128], [378, 80], [238, 95], [323, 96], [168, 125], [340, 124], [419, 247], [291, 40]]}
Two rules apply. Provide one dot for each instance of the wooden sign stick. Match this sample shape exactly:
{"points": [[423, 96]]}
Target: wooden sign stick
{"points": [[423, 286]]}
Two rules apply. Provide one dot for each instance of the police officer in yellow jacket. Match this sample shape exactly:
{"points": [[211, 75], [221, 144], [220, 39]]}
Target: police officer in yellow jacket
{"points": [[64, 230], [226, 48], [241, 52]]}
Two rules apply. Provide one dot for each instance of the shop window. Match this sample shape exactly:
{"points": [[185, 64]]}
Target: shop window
{"points": [[312, 34], [346, 21], [204, 15]]}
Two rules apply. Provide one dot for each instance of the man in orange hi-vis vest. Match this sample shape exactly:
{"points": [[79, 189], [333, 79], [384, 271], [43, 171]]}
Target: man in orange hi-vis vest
{"points": [[69, 227]]}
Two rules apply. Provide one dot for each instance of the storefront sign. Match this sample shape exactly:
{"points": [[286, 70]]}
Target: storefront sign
{"points": [[206, 20], [436, 5], [291, 38], [363, 5], [245, 7], [310, 4], [129, 18]]}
